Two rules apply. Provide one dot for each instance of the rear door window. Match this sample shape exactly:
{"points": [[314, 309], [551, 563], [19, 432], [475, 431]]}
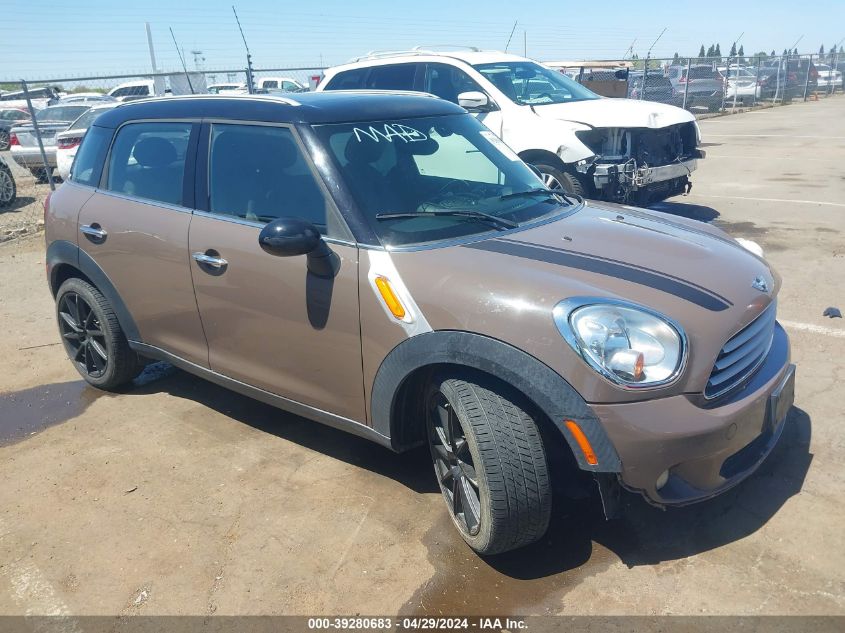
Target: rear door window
{"points": [[148, 161], [393, 77], [348, 80]]}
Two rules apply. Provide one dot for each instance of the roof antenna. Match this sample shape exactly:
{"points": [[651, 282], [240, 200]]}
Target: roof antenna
{"points": [[511, 35], [249, 85], [182, 59]]}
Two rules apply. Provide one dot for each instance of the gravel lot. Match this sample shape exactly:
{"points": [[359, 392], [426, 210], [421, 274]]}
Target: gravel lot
{"points": [[178, 497]]}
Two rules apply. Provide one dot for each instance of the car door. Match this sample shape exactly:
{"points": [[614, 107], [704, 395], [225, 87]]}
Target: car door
{"points": [[271, 323], [136, 229], [447, 82]]}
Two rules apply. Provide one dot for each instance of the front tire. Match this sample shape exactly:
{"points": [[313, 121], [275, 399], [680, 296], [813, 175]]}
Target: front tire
{"points": [[489, 461], [92, 336], [554, 178]]}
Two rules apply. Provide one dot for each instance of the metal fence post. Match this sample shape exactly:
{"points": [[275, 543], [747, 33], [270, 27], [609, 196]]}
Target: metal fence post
{"points": [[48, 172], [833, 64], [686, 83], [757, 86], [807, 80], [645, 79]]}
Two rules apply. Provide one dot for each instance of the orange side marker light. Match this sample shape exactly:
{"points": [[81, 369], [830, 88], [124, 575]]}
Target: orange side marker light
{"points": [[390, 299], [583, 442]]}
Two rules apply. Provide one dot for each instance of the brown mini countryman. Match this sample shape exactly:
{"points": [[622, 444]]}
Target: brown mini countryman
{"points": [[384, 264]]}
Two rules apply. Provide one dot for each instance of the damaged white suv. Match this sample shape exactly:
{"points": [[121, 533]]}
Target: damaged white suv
{"points": [[613, 149]]}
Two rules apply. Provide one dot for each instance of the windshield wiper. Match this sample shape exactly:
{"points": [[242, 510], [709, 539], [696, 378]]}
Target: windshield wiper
{"points": [[559, 195], [500, 223]]}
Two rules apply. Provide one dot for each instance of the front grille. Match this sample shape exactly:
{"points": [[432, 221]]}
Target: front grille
{"points": [[742, 354]]}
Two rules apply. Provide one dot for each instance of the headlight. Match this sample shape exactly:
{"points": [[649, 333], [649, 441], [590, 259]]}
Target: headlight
{"points": [[627, 344]]}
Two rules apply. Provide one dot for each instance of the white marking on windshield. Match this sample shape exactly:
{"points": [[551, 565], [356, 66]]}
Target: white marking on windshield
{"points": [[389, 132]]}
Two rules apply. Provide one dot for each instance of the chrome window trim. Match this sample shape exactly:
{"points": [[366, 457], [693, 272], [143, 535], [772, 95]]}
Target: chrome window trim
{"points": [[258, 225], [562, 311], [155, 203]]}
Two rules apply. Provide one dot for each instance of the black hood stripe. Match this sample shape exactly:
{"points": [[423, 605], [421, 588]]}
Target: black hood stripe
{"points": [[618, 270], [659, 273]]}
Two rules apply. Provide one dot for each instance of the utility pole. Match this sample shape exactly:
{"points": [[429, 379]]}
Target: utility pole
{"points": [[525, 43], [150, 44]]}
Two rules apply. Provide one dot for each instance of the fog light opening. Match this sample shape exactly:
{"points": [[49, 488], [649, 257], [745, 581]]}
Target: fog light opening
{"points": [[662, 480]]}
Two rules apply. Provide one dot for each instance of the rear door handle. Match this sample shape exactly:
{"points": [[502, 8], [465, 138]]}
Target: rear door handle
{"points": [[210, 260], [94, 231]]}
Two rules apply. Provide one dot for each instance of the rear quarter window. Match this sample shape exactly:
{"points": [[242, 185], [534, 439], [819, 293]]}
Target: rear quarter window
{"points": [[88, 165]]}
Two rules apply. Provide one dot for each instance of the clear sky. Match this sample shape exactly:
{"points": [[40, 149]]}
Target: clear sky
{"points": [[61, 38]]}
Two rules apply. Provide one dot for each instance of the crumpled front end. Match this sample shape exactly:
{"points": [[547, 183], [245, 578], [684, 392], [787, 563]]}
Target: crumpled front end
{"points": [[641, 165]]}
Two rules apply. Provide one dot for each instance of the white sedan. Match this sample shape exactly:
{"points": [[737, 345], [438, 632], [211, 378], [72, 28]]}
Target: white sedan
{"points": [[68, 142], [741, 85], [828, 77]]}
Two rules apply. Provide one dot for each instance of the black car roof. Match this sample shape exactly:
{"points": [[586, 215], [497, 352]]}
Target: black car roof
{"points": [[314, 107]]}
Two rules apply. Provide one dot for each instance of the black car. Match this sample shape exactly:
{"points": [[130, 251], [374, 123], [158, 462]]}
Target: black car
{"points": [[658, 87], [787, 78]]}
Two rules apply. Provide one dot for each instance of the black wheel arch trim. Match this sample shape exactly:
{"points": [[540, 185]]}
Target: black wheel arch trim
{"points": [[64, 253], [543, 386]]}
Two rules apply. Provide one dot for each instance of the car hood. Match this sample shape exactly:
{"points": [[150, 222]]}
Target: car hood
{"points": [[506, 286], [623, 113]]}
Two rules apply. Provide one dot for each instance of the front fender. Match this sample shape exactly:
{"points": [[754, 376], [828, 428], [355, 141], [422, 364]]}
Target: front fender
{"points": [[527, 131], [555, 397]]}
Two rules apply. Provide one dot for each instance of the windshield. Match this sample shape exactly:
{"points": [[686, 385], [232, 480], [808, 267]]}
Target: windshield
{"points": [[430, 168], [60, 113], [528, 83]]}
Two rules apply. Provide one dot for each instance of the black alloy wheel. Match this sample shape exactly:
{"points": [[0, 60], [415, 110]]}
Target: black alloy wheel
{"points": [[453, 464], [83, 335]]}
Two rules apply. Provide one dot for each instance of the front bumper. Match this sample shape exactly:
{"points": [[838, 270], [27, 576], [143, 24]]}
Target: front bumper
{"points": [[705, 449], [640, 177], [30, 157]]}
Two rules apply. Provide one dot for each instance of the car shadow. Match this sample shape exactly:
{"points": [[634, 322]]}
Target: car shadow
{"points": [[19, 203], [698, 212], [412, 469]]}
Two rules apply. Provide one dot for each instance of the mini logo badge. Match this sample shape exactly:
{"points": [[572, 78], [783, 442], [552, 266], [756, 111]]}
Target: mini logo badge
{"points": [[760, 284]]}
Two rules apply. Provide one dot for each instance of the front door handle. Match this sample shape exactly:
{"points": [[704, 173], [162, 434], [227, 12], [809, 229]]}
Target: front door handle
{"points": [[210, 259], [94, 231]]}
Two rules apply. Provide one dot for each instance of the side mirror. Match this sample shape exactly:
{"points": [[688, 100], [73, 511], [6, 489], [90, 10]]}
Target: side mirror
{"points": [[287, 237], [474, 101]]}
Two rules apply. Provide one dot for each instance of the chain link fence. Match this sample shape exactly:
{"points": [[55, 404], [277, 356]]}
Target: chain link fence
{"points": [[35, 156]]}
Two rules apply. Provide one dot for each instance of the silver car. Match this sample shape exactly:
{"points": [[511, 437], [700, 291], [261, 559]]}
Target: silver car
{"points": [[51, 121]]}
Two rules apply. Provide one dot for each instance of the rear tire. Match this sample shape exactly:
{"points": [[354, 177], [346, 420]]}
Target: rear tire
{"points": [[40, 175], [489, 455], [4, 140], [554, 178], [8, 189], [92, 336]]}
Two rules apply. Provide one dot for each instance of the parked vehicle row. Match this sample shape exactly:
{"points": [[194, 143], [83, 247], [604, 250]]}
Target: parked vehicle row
{"points": [[26, 151]]}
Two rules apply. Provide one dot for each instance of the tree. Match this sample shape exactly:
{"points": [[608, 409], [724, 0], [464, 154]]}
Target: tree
{"points": [[711, 51], [821, 50], [832, 53], [717, 51], [741, 54], [701, 52], [772, 54], [675, 59], [794, 51], [785, 52], [733, 50]]}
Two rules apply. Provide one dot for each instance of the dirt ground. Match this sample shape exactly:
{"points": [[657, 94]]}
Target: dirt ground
{"points": [[178, 497]]}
